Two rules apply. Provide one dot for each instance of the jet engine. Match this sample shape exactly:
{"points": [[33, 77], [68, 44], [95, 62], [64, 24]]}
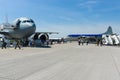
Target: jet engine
{"points": [[41, 36]]}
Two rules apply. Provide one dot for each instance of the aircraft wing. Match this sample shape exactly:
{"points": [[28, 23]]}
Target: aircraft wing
{"points": [[47, 32]]}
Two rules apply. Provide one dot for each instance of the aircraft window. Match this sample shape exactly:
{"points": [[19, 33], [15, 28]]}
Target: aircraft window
{"points": [[30, 21], [24, 21]]}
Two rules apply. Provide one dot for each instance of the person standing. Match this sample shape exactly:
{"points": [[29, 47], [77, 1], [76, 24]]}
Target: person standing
{"points": [[87, 42], [79, 41], [4, 44], [17, 44]]}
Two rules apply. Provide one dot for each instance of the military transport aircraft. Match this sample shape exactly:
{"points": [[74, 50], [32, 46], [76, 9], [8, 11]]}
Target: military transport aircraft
{"points": [[108, 32], [93, 38], [22, 28]]}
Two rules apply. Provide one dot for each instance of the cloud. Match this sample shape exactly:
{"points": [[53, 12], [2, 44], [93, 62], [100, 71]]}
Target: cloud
{"points": [[66, 18], [110, 9], [88, 4]]}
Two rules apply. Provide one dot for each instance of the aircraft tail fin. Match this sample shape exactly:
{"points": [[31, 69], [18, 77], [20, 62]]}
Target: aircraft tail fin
{"points": [[109, 30]]}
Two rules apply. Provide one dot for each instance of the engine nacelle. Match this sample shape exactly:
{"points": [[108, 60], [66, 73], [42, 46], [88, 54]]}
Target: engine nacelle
{"points": [[41, 36], [40, 39]]}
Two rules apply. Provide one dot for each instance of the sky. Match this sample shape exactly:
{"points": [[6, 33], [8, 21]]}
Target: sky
{"points": [[65, 16]]}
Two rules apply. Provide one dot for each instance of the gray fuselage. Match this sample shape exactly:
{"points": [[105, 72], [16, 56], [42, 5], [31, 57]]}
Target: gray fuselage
{"points": [[24, 29]]}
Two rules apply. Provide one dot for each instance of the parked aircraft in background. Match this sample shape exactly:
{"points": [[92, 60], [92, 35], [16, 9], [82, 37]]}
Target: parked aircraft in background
{"points": [[90, 37], [109, 31], [107, 38], [22, 28]]}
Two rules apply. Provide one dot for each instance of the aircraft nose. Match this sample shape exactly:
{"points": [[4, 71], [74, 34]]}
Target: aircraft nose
{"points": [[31, 24]]}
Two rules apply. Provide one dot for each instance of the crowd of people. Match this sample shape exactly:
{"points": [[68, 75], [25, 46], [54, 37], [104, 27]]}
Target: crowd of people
{"points": [[82, 41], [31, 43], [16, 44], [28, 43]]}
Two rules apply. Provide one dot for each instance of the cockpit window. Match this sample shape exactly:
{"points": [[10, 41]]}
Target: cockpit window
{"points": [[24, 22], [30, 21]]}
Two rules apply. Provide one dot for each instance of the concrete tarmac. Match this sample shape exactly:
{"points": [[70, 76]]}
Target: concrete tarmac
{"points": [[61, 62]]}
